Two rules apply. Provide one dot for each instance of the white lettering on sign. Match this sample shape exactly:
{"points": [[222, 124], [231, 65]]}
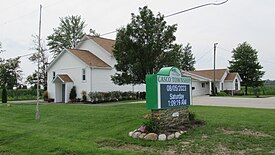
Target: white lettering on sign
{"points": [[176, 100], [174, 88]]}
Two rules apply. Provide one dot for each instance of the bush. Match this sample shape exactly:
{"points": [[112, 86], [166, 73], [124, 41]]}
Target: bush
{"points": [[4, 95], [222, 93], [97, 97], [84, 96], [73, 94], [45, 96], [151, 123]]}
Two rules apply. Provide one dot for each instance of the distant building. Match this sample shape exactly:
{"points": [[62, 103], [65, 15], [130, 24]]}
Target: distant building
{"points": [[202, 81], [88, 67]]}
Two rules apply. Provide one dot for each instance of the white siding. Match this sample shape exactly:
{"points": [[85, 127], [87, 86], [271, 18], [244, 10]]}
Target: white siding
{"points": [[101, 81], [199, 90], [228, 85], [68, 64]]}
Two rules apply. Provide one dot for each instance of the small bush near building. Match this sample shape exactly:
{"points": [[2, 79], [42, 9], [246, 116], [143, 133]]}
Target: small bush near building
{"points": [[45, 96], [73, 94], [222, 93], [98, 97], [84, 96]]}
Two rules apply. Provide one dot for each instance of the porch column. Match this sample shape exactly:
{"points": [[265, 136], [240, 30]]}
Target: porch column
{"points": [[210, 87]]}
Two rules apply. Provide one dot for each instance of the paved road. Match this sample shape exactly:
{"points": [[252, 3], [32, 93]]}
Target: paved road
{"points": [[265, 103]]}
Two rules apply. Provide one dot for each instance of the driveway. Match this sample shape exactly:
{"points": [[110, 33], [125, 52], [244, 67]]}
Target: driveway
{"points": [[265, 103]]}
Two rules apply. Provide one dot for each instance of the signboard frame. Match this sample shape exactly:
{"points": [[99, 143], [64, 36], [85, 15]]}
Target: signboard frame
{"points": [[179, 95]]}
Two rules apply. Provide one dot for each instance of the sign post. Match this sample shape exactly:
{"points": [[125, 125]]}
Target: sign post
{"points": [[168, 89]]}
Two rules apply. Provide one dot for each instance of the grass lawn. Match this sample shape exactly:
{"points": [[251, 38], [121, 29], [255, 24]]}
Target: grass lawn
{"points": [[81, 129]]}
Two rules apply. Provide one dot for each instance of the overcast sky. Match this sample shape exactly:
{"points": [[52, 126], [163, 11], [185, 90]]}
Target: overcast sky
{"points": [[229, 24]]}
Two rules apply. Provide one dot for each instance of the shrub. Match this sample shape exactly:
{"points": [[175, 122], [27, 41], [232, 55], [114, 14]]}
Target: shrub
{"points": [[4, 95], [84, 96], [151, 122], [73, 94], [222, 93], [46, 95]]}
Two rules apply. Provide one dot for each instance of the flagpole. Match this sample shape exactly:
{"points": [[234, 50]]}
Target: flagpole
{"points": [[37, 115]]}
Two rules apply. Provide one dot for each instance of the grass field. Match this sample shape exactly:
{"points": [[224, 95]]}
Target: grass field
{"points": [[81, 129]]}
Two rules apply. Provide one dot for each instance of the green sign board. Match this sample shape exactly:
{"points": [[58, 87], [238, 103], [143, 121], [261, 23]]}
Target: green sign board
{"points": [[168, 89]]}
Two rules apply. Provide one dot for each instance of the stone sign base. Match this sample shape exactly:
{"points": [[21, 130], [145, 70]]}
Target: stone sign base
{"points": [[172, 124], [172, 119]]}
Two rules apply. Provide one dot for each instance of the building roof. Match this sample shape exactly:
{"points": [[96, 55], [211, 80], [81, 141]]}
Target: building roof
{"points": [[210, 73], [89, 58], [105, 43], [231, 76], [64, 78]]}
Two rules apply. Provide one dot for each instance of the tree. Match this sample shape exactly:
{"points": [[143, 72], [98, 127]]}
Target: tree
{"points": [[67, 35], [42, 58], [245, 62], [10, 73], [187, 60], [4, 95], [143, 47], [72, 95]]}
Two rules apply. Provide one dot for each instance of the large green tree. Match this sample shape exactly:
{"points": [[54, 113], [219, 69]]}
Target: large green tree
{"points": [[67, 35], [187, 60], [245, 62], [143, 47], [10, 73]]}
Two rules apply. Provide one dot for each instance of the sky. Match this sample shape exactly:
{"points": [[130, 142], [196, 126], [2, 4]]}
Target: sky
{"points": [[228, 25]]}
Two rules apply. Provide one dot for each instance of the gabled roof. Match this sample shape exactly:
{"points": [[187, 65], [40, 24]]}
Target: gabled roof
{"points": [[231, 76], [63, 78], [210, 73], [105, 43], [89, 58]]}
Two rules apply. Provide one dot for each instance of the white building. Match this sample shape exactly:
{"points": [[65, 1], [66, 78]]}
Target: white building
{"points": [[203, 81], [88, 67]]}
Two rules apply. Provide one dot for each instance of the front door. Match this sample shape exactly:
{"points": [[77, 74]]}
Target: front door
{"points": [[63, 93]]}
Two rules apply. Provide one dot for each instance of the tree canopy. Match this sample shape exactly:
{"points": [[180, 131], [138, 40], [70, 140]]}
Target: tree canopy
{"points": [[10, 73], [187, 60], [143, 47], [67, 35], [245, 62]]}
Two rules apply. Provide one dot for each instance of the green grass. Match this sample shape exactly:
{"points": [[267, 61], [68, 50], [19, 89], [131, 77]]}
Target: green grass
{"points": [[81, 129]]}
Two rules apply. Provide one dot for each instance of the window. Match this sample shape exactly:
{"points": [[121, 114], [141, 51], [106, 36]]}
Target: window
{"points": [[236, 84], [203, 85], [83, 74], [53, 75]]}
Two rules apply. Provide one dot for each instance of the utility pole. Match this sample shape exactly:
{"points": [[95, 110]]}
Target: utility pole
{"points": [[37, 115], [214, 91]]}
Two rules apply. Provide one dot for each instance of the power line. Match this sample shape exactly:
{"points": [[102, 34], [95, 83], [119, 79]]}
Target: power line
{"points": [[204, 55], [179, 12]]}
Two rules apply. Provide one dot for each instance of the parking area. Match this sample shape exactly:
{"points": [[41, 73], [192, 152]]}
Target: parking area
{"points": [[265, 103]]}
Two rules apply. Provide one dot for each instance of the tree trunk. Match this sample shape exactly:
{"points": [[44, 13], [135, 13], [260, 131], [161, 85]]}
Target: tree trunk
{"points": [[245, 89]]}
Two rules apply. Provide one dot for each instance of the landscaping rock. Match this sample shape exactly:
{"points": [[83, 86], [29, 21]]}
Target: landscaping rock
{"points": [[151, 136], [177, 135], [169, 137], [131, 133], [141, 136], [142, 128], [162, 137], [136, 134]]}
